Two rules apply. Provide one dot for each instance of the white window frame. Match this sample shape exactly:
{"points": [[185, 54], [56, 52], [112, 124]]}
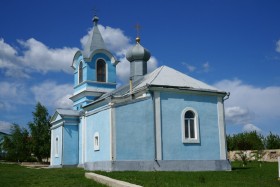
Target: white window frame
{"points": [[96, 141], [196, 139], [56, 147]]}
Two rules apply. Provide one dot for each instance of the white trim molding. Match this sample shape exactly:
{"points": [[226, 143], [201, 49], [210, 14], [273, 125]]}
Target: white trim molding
{"points": [[196, 138], [222, 128], [157, 105]]}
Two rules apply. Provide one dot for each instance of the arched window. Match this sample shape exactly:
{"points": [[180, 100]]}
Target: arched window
{"points": [[101, 70], [81, 72], [190, 126]]}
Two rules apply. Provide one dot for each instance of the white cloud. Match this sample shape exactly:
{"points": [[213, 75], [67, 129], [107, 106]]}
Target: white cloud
{"points": [[278, 46], [250, 127], [40, 57], [237, 115], [53, 95], [6, 49], [189, 67], [206, 66], [11, 94], [249, 104], [36, 56], [5, 127], [10, 62]]}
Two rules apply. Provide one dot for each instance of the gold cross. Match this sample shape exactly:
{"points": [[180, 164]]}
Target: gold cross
{"points": [[95, 10], [137, 27]]}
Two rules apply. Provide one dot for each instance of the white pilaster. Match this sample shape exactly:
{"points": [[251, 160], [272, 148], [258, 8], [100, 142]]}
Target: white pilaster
{"points": [[279, 168], [222, 129], [158, 126], [85, 120], [52, 146]]}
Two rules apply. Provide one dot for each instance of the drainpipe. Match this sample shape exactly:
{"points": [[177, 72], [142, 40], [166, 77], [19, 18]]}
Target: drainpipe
{"points": [[130, 85], [62, 142], [227, 96]]}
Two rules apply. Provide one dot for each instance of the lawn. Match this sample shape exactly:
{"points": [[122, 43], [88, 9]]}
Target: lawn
{"points": [[15, 175], [252, 175]]}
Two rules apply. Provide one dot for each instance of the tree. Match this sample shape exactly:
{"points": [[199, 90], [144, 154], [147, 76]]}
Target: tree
{"points": [[40, 132], [18, 144], [272, 141], [230, 143], [245, 141]]}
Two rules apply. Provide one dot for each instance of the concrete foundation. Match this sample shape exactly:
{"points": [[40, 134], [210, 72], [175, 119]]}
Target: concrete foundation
{"points": [[162, 165]]}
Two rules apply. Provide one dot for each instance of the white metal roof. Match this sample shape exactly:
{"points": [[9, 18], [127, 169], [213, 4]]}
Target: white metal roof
{"points": [[166, 76]]}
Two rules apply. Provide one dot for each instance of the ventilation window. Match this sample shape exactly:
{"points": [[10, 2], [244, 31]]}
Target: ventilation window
{"points": [[96, 142], [56, 147]]}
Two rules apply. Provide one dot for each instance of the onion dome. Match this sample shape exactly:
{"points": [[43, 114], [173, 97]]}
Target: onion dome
{"points": [[138, 53]]}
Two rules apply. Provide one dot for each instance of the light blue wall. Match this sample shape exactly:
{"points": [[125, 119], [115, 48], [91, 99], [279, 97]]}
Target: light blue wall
{"points": [[56, 133], [206, 106], [135, 131], [70, 144], [99, 122]]}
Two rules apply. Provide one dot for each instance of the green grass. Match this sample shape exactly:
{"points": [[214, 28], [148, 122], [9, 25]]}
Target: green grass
{"points": [[15, 175], [252, 175]]}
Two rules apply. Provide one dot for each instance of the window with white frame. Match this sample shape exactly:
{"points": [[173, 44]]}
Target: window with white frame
{"points": [[96, 141], [56, 146], [190, 126]]}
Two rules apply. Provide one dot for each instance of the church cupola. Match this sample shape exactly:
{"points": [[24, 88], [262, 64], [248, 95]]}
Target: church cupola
{"points": [[138, 57], [95, 40], [94, 70]]}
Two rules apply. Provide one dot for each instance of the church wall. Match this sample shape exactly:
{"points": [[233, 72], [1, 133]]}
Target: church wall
{"points": [[70, 144], [56, 158], [134, 133], [98, 122], [172, 105]]}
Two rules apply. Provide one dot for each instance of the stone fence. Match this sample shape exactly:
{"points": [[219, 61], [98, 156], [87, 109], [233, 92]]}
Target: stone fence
{"points": [[267, 155]]}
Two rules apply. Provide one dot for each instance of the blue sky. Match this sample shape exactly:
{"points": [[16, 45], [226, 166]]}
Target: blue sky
{"points": [[231, 44]]}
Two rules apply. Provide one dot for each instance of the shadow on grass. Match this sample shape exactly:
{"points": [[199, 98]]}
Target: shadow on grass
{"points": [[239, 168]]}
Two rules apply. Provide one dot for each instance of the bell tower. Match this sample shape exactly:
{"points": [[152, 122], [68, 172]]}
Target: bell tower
{"points": [[94, 70]]}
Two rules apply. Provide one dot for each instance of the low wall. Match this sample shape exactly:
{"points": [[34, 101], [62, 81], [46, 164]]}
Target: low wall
{"points": [[268, 155]]}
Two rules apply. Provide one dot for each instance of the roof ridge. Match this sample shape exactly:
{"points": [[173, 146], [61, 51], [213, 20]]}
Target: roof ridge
{"points": [[157, 74]]}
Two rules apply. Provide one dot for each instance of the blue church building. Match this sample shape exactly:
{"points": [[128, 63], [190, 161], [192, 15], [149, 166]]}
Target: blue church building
{"points": [[160, 121]]}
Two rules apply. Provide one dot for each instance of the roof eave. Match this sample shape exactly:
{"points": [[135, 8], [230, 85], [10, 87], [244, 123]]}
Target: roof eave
{"points": [[189, 89]]}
